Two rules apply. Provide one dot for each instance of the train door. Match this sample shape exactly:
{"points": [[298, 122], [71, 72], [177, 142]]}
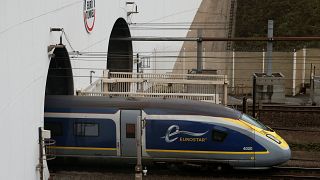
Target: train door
{"points": [[128, 132]]}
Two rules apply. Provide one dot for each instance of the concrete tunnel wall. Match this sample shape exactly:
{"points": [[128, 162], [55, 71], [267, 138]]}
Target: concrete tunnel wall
{"points": [[24, 62]]}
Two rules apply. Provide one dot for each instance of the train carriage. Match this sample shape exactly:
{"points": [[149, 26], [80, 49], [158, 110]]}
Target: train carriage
{"points": [[173, 131]]}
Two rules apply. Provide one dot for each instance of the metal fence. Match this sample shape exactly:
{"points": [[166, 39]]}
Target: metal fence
{"points": [[210, 88]]}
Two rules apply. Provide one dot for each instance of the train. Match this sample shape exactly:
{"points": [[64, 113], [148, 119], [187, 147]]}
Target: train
{"points": [[173, 131]]}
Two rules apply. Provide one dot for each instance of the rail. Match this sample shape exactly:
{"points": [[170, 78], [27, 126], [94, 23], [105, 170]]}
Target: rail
{"points": [[296, 172], [221, 78], [198, 97]]}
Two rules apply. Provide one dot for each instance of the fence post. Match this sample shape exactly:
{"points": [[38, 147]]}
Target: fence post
{"points": [[294, 72], [225, 93], [204, 58], [311, 73], [233, 70], [263, 59], [244, 105], [138, 168], [184, 61], [138, 63], [254, 96], [304, 66], [102, 85]]}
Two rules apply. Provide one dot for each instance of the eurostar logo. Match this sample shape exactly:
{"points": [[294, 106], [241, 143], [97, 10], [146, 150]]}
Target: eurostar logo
{"points": [[174, 131], [89, 14]]}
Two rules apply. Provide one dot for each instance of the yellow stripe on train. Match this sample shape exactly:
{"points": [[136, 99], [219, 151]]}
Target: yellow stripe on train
{"points": [[82, 148], [204, 152]]}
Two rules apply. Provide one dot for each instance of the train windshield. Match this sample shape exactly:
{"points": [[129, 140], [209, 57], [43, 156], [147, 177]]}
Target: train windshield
{"points": [[254, 122]]}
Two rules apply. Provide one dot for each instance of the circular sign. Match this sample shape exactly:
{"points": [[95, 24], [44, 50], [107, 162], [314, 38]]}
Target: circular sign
{"points": [[89, 14]]}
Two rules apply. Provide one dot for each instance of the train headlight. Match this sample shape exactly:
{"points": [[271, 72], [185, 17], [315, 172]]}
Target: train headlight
{"points": [[273, 138]]}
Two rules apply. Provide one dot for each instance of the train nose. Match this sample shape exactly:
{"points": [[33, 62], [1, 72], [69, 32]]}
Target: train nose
{"points": [[283, 153], [282, 150], [279, 156], [285, 156], [286, 151]]}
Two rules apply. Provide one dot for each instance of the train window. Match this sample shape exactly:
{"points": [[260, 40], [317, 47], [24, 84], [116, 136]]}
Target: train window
{"points": [[218, 136], [130, 130], [254, 122], [86, 129], [55, 128]]}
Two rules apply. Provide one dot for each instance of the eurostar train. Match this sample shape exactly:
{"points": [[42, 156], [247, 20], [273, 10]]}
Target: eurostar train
{"points": [[173, 130]]}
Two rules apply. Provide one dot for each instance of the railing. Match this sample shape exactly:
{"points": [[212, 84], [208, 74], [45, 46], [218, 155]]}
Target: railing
{"points": [[221, 78], [213, 98], [95, 86], [187, 86], [45, 153], [50, 153]]}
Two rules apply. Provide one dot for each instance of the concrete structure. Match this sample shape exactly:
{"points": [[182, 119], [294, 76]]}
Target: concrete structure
{"points": [[29, 52], [213, 17], [295, 66], [270, 89], [164, 18], [35, 61]]}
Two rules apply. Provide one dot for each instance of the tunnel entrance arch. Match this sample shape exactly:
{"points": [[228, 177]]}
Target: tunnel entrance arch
{"points": [[60, 77], [120, 52]]}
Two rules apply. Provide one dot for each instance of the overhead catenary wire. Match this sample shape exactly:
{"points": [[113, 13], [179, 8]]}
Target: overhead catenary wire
{"points": [[203, 39], [209, 59], [97, 76], [40, 15]]}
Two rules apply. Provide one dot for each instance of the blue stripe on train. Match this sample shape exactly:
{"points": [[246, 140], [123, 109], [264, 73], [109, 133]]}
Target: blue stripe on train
{"points": [[106, 136], [190, 135]]}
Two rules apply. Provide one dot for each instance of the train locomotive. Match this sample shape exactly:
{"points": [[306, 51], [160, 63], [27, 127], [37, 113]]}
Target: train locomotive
{"points": [[173, 131]]}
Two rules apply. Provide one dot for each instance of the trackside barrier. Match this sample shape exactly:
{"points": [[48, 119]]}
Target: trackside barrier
{"points": [[210, 88]]}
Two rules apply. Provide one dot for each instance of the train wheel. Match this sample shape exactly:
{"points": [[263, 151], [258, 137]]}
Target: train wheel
{"points": [[219, 167]]}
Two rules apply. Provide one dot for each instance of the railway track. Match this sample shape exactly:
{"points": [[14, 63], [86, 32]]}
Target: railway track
{"points": [[282, 108], [303, 159], [297, 173], [296, 129], [161, 173]]}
